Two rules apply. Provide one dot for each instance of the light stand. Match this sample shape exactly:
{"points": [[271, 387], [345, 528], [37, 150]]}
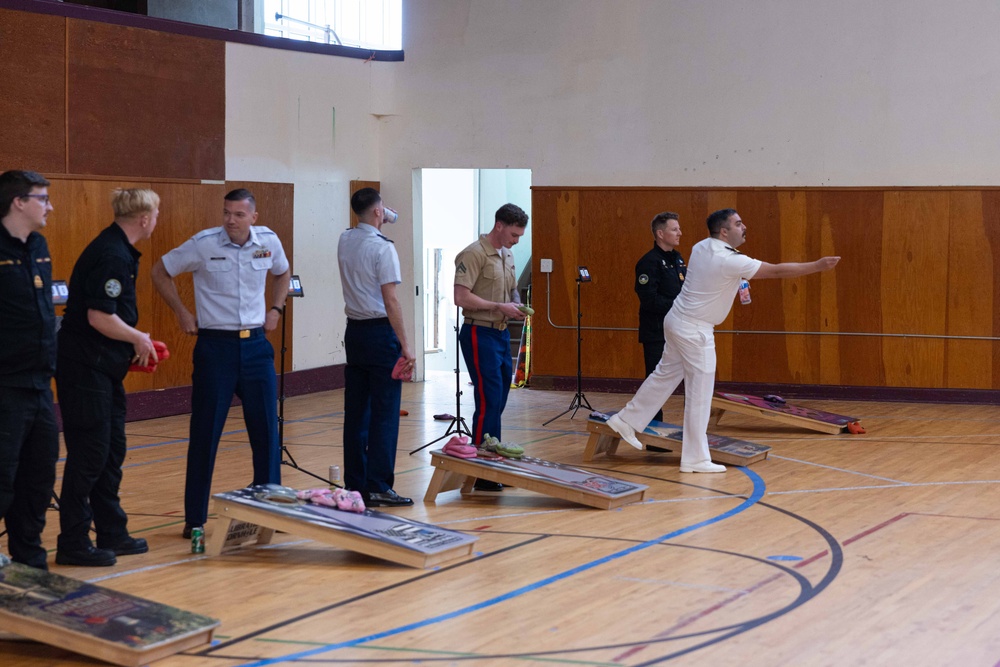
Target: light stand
{"points": [[457, 425], [294, 290], [579, 400]]}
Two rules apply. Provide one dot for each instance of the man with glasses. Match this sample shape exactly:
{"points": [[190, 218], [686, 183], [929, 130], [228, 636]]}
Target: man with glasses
{"points": [[29, 436]]}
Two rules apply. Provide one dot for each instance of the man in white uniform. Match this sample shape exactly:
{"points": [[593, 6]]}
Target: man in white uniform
{"points": [[715, 271]]}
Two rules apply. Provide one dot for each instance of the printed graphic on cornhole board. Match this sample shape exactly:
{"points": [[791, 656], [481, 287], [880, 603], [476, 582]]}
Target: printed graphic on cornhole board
{"points": [[723, 449], [94, 621], [532, 474], [778, 410], [373, 533]]}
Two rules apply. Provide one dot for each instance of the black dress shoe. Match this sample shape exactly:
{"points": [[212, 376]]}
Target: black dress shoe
{"points": [[126, 546], [486, 485], [186, 533], [89, 557], [387, 499]]}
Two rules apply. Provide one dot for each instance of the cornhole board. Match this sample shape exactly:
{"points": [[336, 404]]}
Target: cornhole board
{"points": [[786, 413], [723, 449], [387, 536], [98, 622], [546, 477]]}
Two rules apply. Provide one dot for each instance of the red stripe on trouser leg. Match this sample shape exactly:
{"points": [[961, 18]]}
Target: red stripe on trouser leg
{"points": [[478, 425]]}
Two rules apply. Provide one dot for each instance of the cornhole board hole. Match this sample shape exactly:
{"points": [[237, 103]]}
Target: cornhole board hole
{"points": [[785, 413], [557, 480], [244, 516], [97, 622], [605, 440]]}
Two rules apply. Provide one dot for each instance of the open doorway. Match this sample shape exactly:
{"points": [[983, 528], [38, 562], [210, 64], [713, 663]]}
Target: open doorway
{"points": [[457, 205]]}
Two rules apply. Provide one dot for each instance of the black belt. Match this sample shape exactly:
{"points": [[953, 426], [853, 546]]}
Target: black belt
{"points": [[378, 321], [238, 333]]}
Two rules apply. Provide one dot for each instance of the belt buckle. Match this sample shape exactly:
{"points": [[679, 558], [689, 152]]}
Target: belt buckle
{"points": [[244, 333]]}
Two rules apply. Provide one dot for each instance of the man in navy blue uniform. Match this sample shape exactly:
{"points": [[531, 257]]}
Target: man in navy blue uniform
{"points": [[659, 275], [486, 290], [375, 339], [97, 343], [29, 436], [230, 265]]}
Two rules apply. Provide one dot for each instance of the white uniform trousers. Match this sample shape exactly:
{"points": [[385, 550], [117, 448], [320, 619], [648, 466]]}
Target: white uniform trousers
{"points": [[688, 355]]}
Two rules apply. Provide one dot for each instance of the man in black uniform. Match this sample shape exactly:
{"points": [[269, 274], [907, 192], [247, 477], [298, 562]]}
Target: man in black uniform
{"points": [[97, 343], [659, 275], [29, 436]]}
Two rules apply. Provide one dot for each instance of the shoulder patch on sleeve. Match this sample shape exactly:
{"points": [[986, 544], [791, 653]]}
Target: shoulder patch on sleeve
{"points": [[113, 288], [643, 279], [461, 268]]}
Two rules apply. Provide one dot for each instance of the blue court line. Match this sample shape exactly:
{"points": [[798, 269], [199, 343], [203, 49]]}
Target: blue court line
{"points": [[758, 492]]}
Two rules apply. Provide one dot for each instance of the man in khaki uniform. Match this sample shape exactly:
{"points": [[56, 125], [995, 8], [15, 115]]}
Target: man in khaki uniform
{"points": [[486, 290]]}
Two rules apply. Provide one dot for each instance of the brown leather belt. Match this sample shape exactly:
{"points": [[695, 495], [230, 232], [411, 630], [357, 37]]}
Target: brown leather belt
{"points": [[500, 326]]}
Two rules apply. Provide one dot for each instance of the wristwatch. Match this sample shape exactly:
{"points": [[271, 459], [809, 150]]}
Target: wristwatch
{"points": [[281, 311]]}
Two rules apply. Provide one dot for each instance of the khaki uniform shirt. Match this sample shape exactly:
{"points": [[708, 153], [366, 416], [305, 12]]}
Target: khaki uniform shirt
{"points": [[488, 272]]}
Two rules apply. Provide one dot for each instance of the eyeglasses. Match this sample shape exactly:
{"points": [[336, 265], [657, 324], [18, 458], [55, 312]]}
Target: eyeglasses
{"points": [[42, 198]]}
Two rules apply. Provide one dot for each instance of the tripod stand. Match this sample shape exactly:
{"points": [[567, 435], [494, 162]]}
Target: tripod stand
{"points": [[457, 425], [579, 400], [294, 291]]}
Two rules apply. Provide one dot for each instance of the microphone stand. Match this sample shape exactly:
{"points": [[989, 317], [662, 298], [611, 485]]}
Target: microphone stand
{"points": [[457, 425], [579, 400]]}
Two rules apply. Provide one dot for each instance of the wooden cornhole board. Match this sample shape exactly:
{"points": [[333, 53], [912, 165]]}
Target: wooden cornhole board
{"points": [[546, 477], [98, 622], [244, 516], [786, 413], [605, 440]]}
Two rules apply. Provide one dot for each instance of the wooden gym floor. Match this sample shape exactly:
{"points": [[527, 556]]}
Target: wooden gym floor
{"points": [[875, 549]]}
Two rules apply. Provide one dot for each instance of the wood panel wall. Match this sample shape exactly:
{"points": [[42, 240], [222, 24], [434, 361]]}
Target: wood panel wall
{"points": [[918, 262], [89, 98], [82, 208]]}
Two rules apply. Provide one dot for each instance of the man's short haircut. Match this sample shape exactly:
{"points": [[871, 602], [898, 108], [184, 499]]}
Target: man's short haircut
{"points": [[660, 220], [241, 194], [716, 221], [512, 214], [364, 199], [128, 202], [17, 183]]}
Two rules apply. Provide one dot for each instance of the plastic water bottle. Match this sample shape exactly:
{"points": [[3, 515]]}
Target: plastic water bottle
{"points": [[744, 292]]}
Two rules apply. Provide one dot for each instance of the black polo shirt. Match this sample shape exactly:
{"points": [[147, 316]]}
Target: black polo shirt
{"points": [[659, 276], [27, 318], [103, 279]]}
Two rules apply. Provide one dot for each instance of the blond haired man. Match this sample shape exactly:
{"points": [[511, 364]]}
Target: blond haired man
{"points": [[97, 343]]}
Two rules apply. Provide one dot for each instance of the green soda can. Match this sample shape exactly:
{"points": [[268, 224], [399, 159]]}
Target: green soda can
{"points": [[197, 540]]}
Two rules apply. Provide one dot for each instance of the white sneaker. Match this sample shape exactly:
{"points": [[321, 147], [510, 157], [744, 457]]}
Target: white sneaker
{"points": [[705, 466], [626, 432]]}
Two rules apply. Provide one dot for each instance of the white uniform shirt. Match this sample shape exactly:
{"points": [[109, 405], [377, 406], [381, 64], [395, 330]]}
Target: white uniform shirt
{"points": [[713, 278], [229, 280], [367, 261]]}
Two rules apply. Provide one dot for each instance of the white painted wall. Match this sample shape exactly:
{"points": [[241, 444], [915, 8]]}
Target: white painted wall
{"points": [[622, 92]]}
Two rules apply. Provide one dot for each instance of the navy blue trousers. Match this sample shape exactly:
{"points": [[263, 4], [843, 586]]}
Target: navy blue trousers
{"points": [[29, 447], [371, 405], [225, 365], [92, 404], [487, 356]]}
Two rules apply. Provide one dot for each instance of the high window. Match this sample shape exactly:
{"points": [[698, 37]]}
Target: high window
{"points": [[370, 24]]}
